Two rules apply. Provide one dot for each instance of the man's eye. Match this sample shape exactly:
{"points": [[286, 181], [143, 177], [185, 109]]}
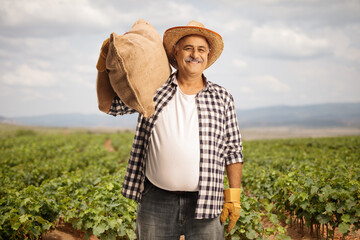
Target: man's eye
{"points": [[188, 49]]}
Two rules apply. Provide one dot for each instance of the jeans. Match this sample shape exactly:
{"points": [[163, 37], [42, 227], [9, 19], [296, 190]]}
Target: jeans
{"points": [[164, 215]]}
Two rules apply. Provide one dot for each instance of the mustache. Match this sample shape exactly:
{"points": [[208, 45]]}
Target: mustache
{"points": [[191, 59]]}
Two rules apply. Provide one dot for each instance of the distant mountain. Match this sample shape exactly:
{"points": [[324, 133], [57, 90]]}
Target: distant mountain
{"points": [[7, 120], [321, 115]]}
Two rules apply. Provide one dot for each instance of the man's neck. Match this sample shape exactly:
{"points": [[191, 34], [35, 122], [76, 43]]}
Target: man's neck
{"points": [[190, 84]]}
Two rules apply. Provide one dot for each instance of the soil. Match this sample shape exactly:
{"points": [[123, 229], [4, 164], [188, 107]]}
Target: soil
{"points": [[65, 231], [295, 233], [108, 145]]}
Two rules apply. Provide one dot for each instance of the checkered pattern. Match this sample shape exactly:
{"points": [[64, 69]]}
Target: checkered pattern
{"points": [[220, 143]]}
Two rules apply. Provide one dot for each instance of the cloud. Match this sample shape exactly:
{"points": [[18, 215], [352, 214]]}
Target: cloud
{"points": [[25, 48], [244, 89], [19, 12], [47, 18], [300, 13], [271, 83], [233, 25], [285, 42], [30, 77], [29, 94], [345, 43], [82, 78], [240, 64]]}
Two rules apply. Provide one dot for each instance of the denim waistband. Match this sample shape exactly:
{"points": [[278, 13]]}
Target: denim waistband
{"points": [[147, 181]]}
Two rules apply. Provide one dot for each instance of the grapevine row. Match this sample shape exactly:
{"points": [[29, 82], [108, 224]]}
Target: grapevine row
{"points": [[314, 182]]}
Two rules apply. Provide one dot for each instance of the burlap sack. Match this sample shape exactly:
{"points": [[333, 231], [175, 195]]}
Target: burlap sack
{"points": [[137, 65]]}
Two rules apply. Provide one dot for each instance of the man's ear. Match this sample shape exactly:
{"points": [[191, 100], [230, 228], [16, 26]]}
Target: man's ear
{"points": [[174, 51]]}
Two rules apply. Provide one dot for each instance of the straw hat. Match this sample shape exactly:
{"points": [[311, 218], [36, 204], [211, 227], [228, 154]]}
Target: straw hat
{"points": [[173, 35]]}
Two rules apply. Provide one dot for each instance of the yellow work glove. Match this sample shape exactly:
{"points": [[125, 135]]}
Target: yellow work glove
{"points": [[101, 63], [232, 207]]}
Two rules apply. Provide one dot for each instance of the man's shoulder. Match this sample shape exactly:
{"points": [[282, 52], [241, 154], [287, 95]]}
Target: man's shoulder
{"points": [[219, 89], [168, 83]]}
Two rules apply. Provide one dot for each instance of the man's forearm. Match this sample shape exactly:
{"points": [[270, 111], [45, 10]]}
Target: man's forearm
{"points": [[234, 172]]}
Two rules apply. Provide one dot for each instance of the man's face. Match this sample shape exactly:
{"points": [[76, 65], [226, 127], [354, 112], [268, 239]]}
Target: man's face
{"points": [[191, 54]]}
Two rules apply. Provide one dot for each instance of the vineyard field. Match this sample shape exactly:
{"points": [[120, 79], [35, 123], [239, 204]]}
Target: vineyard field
{"points": [[72, 176], [312, 182]]}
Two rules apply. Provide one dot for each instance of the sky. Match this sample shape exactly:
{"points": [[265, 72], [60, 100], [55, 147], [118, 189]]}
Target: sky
{"points": [[277, 52]]}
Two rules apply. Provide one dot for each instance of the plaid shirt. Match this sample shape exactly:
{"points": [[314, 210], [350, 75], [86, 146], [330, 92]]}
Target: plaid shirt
{"points": [[220, 143]]}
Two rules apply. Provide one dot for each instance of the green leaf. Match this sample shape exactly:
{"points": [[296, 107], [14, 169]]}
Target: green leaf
{"points": [[273, 218], [345, 218], [344, 228], [15, 223], [270, 230], [131, 234], [46, 226], [323, 219], [113, 205], [358, 211], [88, 224], [99, 229], [41, 220], [330, 207], [303, 196], [269, 207], [122, 231], [23, 218], [109, 236], [37, 207], [305, 205], [326, 190], [292, 198], [109, 186], [112, 223], [283, 237], [251, 234], [308, 181], [235, 237], [245, 205], [313, 189], [350, 204]]}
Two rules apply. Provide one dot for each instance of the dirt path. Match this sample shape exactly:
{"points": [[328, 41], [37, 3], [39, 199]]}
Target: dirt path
{"points": [[108, 145]]}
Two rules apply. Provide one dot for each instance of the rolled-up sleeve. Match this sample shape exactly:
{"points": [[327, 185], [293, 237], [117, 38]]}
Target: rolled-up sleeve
{"points": [[233, 143], [118, 107]]}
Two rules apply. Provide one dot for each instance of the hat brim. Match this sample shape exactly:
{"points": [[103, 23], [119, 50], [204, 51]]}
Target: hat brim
{"points": [[173, 35]]}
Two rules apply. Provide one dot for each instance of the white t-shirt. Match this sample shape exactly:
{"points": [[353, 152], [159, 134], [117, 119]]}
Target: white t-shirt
{"points": [[173, 156]]}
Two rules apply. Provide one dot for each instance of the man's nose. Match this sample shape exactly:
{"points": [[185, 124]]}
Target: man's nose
{"points": [[195, 53]]}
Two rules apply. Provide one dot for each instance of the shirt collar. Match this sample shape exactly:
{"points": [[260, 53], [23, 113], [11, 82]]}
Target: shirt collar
{"points": [[208, 85]]}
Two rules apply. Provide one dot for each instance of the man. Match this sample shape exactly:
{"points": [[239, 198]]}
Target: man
{"points": [[179, 155]]}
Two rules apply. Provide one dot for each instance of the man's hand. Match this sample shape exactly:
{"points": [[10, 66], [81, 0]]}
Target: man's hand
{"points": [[232, 210], [101, 64], [232, 207]]}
